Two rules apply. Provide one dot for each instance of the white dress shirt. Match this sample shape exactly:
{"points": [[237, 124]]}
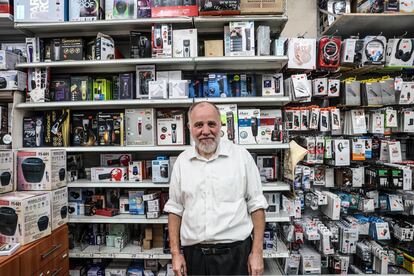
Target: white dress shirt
{"points": [[215, 197]]}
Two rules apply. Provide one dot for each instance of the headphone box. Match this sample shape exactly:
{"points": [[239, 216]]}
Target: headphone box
{"points": [[24, 217], [374, 52], [185, 43], [162, 41], [249, 121], [41, 169], [8, 60], [229, 122], [140, 127], [59, 210], [13, 80], [170, 127], [41, 11], [160, 171], [400, 52], [86, 10], [109, 174], [6, 171], [268, 125], [120, 9], [115, 159]]}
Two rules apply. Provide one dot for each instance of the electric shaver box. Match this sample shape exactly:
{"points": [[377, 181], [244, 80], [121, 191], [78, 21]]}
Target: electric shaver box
{"points": [[170, 127], [111, 129], [86, 10], [8, 60], [269, 126], [41, 11], [81, 88], [109, 174], [57, 128], [126, 86], [115, 159], [185, 43], [59, 204], [41, 169], [13, 80], [140, 127], [249, 120], [241, 40], [24, 217], [6, 171], [33, 131], [60, 89], [162, 41], [84, 130], [229, 122], [160, 171]]}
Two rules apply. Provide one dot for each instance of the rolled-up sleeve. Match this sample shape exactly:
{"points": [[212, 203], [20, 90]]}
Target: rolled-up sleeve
{"points": [[254, 195], [174, 204]]}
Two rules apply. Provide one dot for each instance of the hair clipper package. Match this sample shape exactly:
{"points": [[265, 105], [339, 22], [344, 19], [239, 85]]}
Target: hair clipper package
{"points": [[249, 121], [115, 159], [219, 7], [144, 74], [229, 122], [160, 171], [270, 126], [140, 127], [81, 88], [170, 127], [162, 41], [272, 85], [111, 129], [242, 41], [84, 130], [41, 169]]}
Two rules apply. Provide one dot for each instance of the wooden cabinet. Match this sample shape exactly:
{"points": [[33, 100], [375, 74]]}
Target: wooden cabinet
{"points": [[47, 256]]}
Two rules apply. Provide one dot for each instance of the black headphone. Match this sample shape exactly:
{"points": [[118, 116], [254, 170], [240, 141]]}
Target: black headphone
{"points": [[400, 54], [370, 57]]}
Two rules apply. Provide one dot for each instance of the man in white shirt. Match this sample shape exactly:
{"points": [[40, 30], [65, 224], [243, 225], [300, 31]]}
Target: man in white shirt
{"points": [[216, 201]]}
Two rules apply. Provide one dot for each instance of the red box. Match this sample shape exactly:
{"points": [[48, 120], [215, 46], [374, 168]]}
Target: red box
{"points": [[107, 212], [174, 11], [6, 7]]}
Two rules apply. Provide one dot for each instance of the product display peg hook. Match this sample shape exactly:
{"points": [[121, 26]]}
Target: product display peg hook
{"points": [[404, 34], [326, 75], [334, 33], [303, 35], [380, 34]]}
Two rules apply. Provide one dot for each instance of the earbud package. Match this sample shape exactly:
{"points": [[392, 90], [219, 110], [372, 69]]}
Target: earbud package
{"points": [[249, 120], [41, 169], [325, 122], [170, 127], [269, 125], [374, 50], [185, 43], [351, 95], [158, 89], [320, 87], [387, 91], [24, 217], [6, 171], [341, 149], [302, 53], [314, 118], [229, 122]]}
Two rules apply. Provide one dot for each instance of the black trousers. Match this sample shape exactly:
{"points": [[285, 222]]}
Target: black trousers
{"points": [[218, 259]]}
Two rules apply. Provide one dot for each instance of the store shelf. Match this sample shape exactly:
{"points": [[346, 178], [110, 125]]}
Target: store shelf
{"points": [[199, 63], [267, 147], [134, 252], [112, 65], [372, 24], [215, 24], [241, 63], [282, 217], [144, 184], [248, 101], [276, 187], [98, 105], [91, 28], [6, 96], [271, 267], [7, 30], [121, 104], [122, 218]]}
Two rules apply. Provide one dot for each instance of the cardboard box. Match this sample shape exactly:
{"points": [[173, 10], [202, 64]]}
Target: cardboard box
{"points": [[125, 9], [213, 48], [140, 127], [229, 122], [84, 129], [33, 131], [267, 125], [219, 7], [24, 217], [6, 171], [185, 43], [41, 169], [242, 39], [13, 80], [115, 159], [8, 60], [136, 171], [59, 207], [160, 171], [72, 49], [170, 127], [136, 203], [178, 89], [249, 126], [144, 75], [81, 88], [158, 89], [109, 174], [57, 128], [41, 11], [162, 41], [60, 89], [262, 7], [111, 129]]}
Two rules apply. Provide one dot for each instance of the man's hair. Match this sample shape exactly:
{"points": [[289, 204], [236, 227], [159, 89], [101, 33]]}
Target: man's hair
{"points": [[202, 103]]}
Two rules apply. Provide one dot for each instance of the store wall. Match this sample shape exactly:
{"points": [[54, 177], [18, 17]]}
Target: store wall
{"points": [[302, 16]]}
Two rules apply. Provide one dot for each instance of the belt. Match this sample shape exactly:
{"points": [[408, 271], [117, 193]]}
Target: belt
{"points": [[217, 249]]}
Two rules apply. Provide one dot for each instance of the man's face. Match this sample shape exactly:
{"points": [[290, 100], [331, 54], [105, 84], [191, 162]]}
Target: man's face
{"points": [[205, 128]]}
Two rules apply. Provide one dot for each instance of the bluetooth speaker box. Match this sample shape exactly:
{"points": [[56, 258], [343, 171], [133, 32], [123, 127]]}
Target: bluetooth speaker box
{"points": [[6, 171]]}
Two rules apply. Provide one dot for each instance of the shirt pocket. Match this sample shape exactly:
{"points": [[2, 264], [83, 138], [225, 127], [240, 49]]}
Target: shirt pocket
{"points": [[229, 188]]}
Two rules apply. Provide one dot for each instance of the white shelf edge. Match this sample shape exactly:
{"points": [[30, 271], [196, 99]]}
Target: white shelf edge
{"points": [[281, 217], [122, 218], [278, 186]]}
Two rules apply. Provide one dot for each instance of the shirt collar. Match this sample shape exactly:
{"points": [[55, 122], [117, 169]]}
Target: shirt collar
{"points": [[223, 149]]}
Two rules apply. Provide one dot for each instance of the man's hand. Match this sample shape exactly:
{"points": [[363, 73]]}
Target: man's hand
{"points": [[255, 264], [179, 265]]}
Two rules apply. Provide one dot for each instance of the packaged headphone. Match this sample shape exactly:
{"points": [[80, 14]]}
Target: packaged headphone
{"points": [[329, 51], [374, 50], [400, 52]]}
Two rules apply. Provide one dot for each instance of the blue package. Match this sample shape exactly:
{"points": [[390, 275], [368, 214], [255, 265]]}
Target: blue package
{"points": [[136, 203], [195, 89], [217, 86], [234, 85], [247, 85]]}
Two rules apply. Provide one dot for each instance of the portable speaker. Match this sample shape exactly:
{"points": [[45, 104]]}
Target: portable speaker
{"points": [[8, 221], [33, 169], [62, 174], [5, 178], [3, 82], [43, 223]]}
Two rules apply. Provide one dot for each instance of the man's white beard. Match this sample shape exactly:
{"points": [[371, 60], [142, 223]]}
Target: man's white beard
{"points": [[210, 146]]}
